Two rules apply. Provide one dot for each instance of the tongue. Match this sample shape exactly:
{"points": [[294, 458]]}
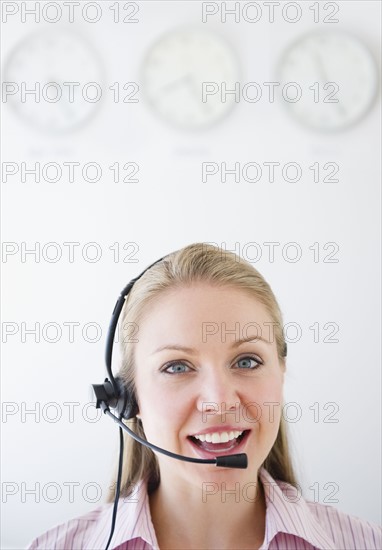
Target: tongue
{"points": [[217, 446]]}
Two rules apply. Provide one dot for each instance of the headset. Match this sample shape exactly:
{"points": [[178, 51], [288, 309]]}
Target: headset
{"points": [[115, 394]]}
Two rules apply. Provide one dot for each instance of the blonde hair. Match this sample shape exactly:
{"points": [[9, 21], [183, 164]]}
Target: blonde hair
{"points": [[198, 262]]}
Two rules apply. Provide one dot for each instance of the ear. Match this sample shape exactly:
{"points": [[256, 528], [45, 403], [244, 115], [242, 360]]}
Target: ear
{"points": [[126, 403], [283, 364]]}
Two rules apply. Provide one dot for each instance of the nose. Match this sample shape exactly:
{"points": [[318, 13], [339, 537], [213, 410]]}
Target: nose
{"points": [[218, 392]]}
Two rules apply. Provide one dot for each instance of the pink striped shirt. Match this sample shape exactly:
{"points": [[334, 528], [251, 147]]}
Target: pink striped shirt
{"points": [[292, 523]]}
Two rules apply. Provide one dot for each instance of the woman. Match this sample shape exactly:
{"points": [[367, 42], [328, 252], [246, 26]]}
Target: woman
{"points": [[207, 367]]}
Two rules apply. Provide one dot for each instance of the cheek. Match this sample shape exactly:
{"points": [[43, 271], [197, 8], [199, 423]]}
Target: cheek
{"points": [[162, 408], [264, 405]]}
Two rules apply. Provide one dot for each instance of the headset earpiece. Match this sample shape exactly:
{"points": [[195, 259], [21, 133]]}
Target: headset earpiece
{"points": [[123, 401]]}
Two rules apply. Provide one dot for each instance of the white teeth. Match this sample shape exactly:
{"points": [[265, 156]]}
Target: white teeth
{"points": [[224, 437], [216, 437]]}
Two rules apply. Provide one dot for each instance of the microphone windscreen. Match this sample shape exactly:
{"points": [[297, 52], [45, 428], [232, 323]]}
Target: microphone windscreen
{"points": [[232, 461]]}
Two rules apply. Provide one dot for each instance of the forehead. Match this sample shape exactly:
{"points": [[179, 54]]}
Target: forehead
{"points": [[189, 308]]}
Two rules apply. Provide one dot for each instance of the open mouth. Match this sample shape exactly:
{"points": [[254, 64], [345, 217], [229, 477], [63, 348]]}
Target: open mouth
{"points": [[216, 448]]}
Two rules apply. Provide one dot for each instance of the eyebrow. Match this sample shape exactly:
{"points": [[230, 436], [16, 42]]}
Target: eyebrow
{"points": [[250, 339]]}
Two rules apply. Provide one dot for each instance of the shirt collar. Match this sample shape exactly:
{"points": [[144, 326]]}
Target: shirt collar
{"points": [[133, 521], [286, 512]]}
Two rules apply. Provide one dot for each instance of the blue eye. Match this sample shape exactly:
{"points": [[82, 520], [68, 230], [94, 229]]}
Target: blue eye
{"points": [[246, 362], [177, 367]]}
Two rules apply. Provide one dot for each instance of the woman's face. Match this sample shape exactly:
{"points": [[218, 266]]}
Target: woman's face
{"points": [[195, 377]]}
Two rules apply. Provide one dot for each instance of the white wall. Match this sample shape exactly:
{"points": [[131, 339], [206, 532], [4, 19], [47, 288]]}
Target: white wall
{"points": [[168, 208]]}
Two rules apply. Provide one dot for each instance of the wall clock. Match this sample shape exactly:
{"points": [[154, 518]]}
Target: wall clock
{"points": [[321, 57], [58, 56], [173, 72]]}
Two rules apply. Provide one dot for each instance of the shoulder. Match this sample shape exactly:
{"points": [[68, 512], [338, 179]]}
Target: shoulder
{"points": [[71, 534], [322, 525], [346, 530]]}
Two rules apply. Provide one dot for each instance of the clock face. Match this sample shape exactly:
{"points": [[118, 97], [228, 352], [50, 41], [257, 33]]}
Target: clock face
{"points": [[323, 57], [54, 56], [175, 69]]}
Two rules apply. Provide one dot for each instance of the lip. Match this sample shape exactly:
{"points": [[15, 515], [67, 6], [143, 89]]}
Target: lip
{"points": [[202, 453], [220, 429]]}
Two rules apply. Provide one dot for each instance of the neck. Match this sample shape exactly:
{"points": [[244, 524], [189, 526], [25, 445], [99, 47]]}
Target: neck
{"points": [[225, 515]]}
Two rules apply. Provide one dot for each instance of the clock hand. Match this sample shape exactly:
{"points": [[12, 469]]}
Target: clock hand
{"points": [[175, 83], [320, 66], [324, 79], [66, 106], [194, 87]]}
